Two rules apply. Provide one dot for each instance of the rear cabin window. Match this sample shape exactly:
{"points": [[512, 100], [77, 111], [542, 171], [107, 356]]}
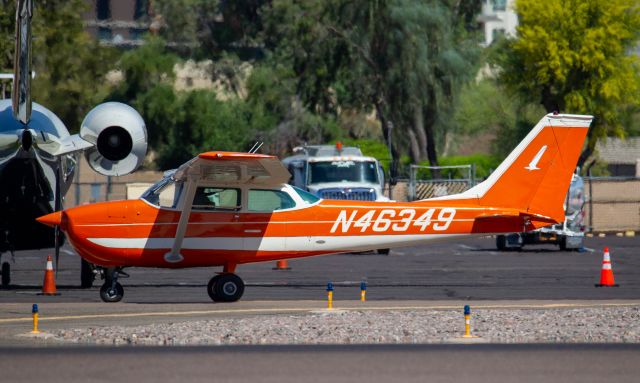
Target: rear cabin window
{"points": [[213, 198], [269, 200]]}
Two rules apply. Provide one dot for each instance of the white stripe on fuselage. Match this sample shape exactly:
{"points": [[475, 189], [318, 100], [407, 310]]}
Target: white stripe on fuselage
{"points": [[306, 243]]}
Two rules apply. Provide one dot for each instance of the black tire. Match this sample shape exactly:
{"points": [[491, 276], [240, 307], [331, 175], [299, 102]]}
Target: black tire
{"points": [[6, 274], [563, 244], [225, 288], [107, 294], [501, 242], [87, 276], [383, 251]]}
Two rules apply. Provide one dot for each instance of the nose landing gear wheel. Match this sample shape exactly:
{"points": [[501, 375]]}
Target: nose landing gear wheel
{"points": [[225, 288], [111, 293]]}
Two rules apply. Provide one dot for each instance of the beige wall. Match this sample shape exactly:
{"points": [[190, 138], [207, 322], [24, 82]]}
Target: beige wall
{"points": [[108, 188], [616, 205]]}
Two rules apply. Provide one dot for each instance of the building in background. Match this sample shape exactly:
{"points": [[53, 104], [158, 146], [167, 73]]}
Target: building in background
{"points": [[89, 186], [118, 22], [497, 18], [621, 156]]}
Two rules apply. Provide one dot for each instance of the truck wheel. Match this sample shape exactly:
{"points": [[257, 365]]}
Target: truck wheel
{"points": [[383, 251], [501, 242], [563, 244]]}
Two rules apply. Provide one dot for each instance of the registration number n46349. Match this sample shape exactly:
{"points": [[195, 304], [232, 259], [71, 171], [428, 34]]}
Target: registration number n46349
{"points": [[381, 220]]}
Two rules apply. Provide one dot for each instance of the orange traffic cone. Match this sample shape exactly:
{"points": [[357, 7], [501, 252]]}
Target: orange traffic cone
{"points": [[49, 284], [606, 274], [282, 265]]}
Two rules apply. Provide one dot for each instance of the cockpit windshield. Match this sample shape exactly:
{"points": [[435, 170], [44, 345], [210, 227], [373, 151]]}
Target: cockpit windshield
{"points": [[164, 193], [306, 196]]}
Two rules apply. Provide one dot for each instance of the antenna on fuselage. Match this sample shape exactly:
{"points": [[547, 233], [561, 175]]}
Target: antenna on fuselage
{"points": [[256, 147]]}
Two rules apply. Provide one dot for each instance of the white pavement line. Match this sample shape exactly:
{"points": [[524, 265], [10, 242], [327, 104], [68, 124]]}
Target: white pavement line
{"points": [[314, 309]]}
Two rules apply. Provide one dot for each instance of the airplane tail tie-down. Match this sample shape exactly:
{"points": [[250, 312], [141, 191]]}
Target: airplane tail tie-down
{"points": [[530, 185]]}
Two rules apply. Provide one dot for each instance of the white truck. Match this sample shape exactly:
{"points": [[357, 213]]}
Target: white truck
{"points": [[568, 235], [336, 172]]}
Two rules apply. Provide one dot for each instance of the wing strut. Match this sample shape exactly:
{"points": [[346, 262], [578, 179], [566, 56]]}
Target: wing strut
{"points": [[174, 255]]}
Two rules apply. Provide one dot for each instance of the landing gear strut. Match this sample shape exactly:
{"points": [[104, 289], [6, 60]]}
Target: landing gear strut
{"points": [[225, 288], [111, 290], [87, 274]]}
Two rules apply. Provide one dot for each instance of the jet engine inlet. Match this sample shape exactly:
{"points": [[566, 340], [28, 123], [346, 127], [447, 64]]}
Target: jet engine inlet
{"points": [[114, 143], [120, 138]]}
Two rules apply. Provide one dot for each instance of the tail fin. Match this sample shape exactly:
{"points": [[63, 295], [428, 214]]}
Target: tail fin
{"points": [[535, 177], [22, 66]]}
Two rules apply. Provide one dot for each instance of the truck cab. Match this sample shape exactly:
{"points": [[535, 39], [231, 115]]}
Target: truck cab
{"points": [[336, 172]]}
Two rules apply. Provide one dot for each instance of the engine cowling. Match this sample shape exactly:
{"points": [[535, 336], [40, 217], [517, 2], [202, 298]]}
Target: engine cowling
{"points": [[119, 136]]}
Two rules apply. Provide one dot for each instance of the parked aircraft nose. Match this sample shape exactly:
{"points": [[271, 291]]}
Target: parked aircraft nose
{"points": [[52, 219]]}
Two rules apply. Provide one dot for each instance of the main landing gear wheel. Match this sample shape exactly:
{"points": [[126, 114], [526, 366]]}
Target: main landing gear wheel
{"points": [[111, 292], [225, 288], [6, 275]]}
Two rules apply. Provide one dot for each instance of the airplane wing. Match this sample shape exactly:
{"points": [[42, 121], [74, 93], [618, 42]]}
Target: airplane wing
{"points": [[233, 167]]}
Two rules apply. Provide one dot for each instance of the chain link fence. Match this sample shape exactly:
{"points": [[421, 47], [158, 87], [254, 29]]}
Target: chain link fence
{"points": [[429, 181]]}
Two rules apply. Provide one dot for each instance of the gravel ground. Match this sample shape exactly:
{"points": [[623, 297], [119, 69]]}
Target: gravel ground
{"points": [[583, 325]]}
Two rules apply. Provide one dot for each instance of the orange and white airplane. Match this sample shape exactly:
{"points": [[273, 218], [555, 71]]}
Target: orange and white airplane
{"points": [[225, 209]]}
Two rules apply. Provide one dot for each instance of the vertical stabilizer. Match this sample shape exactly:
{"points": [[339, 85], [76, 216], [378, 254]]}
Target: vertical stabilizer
{"points": [[535, 177], [21, 97]]}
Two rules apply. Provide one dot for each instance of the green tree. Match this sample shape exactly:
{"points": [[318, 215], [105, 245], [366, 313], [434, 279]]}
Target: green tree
{"points": [[147, 85], [405, 59], [575, 56], [484, 107]]}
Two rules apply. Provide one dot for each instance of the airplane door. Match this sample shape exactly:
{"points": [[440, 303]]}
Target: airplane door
{"points": [[265, 225], [262, 233]]}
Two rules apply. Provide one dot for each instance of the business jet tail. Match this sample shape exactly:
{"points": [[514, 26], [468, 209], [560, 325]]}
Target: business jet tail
{"points": [[21, 89]]}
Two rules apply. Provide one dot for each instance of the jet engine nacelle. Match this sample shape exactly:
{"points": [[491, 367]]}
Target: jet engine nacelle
{"points": [[119, 136]]}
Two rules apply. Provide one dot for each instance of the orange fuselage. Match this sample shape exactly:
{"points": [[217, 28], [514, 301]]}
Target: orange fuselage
{"points": [[135, 233]]}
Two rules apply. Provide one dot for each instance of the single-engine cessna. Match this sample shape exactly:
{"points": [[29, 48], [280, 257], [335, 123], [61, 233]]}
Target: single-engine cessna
{"points": [[38, 155], [225, 209]]}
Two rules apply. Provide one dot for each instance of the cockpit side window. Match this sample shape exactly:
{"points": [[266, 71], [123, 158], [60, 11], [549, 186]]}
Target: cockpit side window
{"points": [[214, 198], [269, 200]]}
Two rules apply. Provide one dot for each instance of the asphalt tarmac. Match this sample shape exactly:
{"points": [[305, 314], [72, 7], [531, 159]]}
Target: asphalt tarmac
{"points": [[437, 276], [282, 364], [468, 270]]}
